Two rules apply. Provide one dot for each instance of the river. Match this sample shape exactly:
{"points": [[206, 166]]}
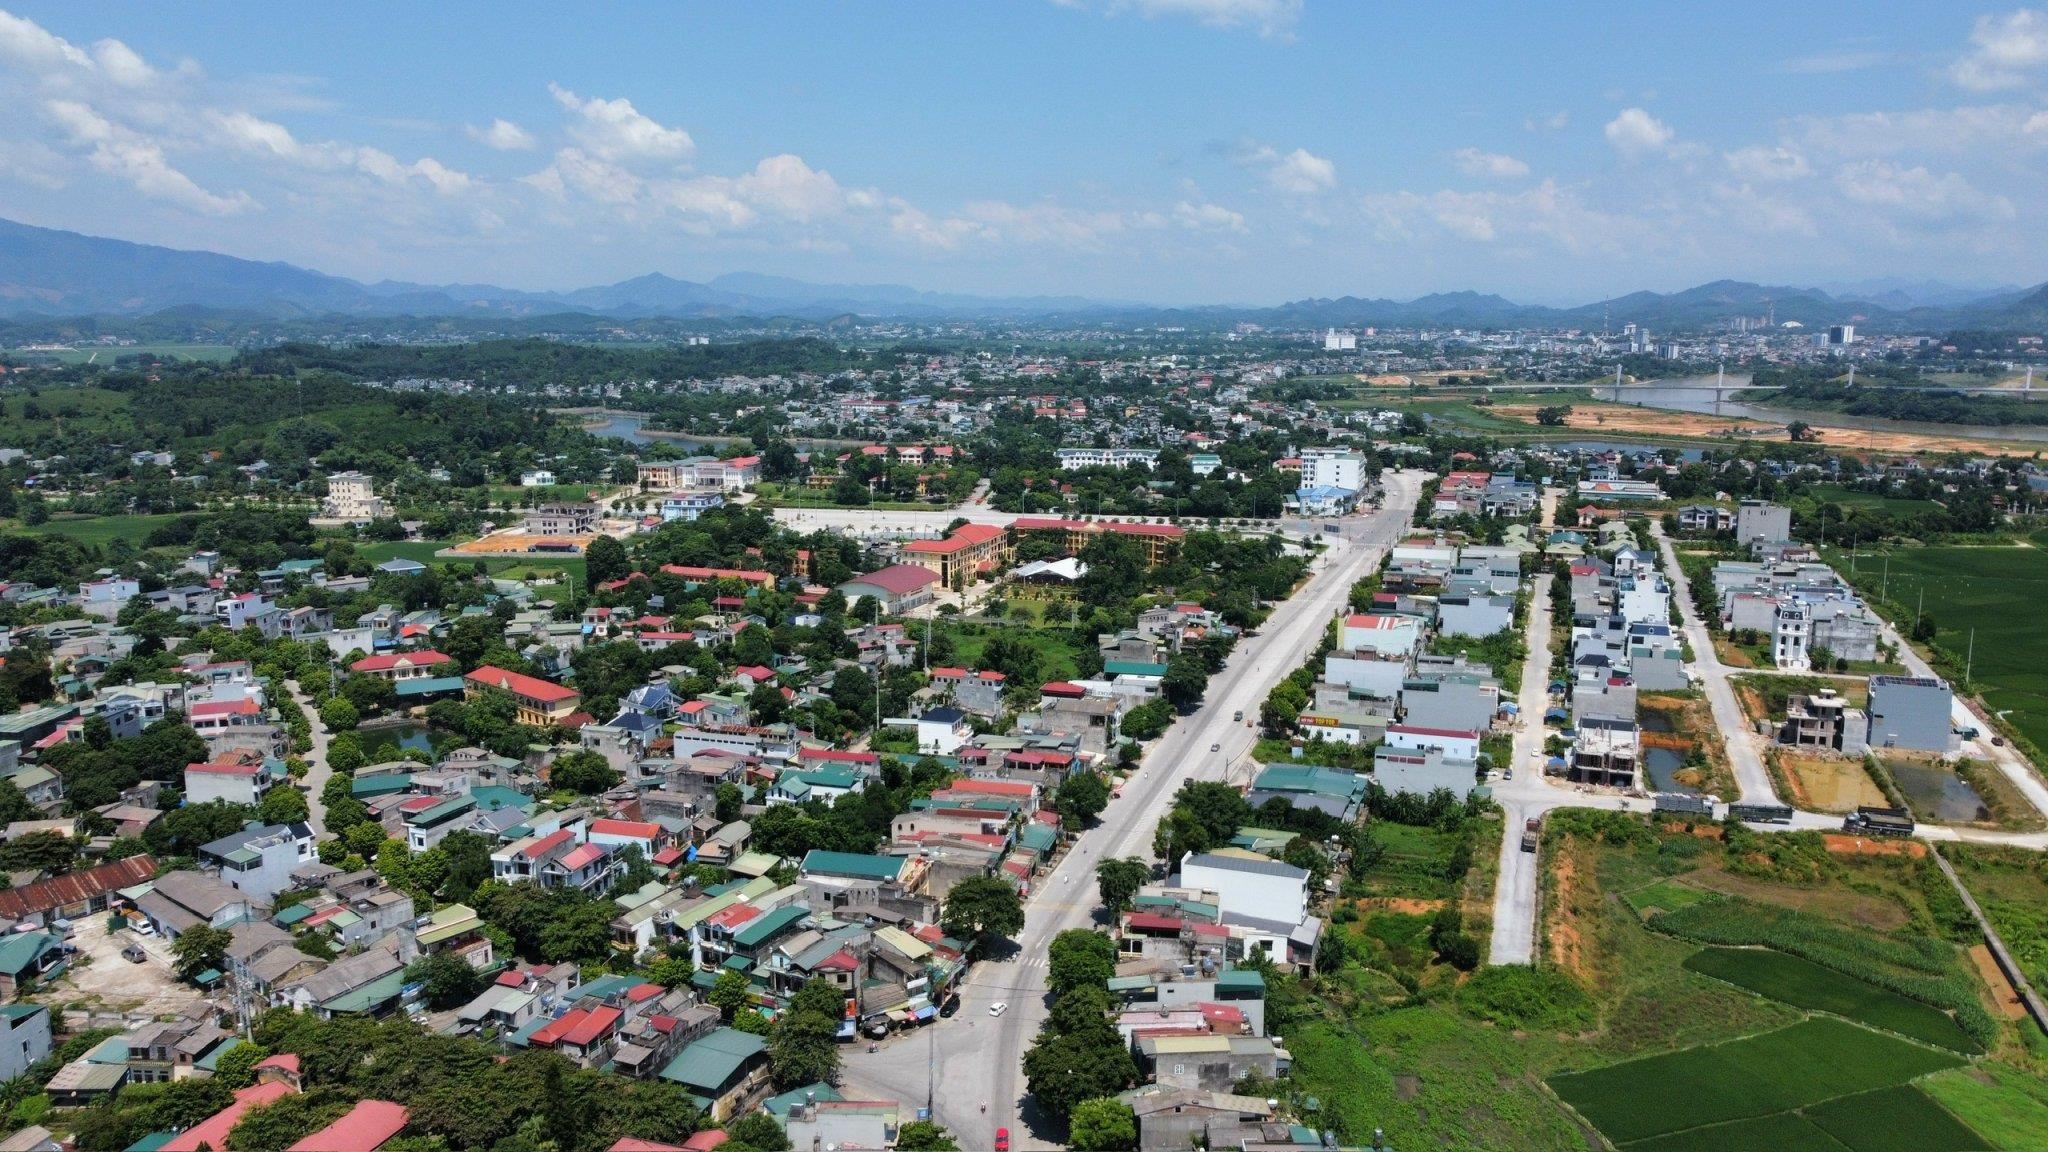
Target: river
{"points": [[1691, 394]]}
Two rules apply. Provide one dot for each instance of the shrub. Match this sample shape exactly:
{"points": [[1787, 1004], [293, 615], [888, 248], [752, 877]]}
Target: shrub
{"points": [[1519, 996]]}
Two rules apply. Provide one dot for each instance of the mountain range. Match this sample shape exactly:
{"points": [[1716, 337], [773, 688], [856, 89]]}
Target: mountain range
{"points": [[49, 273]]}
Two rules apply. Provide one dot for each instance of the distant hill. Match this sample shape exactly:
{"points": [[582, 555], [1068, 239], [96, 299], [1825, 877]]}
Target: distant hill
{"points": [[50, 273]]}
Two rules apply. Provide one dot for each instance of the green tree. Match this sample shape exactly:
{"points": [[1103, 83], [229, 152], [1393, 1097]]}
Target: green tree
{"points": [[583, 772], [803, 1044], [1554, 416], [339, 715], [1078, 1055], [604, 558], [1104, 1124], [756, 1132], [282, 805], [1185, 680], [1077, 957], [237, 1066], [982, 910], [1119, 880], [924, 1136], [199, 948], [1081, 798], [730, 993], [728, 802], [446, 980]]}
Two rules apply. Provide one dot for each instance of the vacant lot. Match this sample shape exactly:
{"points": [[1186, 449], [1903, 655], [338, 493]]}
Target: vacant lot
{"points": [[1664, 896], [1804, 984], [1829, 783], [1791, 1068]]}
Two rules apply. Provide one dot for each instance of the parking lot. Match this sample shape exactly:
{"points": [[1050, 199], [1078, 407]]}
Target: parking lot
{"points": [[111, 983]]}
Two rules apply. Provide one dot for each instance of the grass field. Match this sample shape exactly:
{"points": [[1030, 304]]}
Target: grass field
{"points": [[206, 353], [98, 531], [1057, 654], [2007, 1107], [1804, 984], [1901, 1118], [1664, 896], [1856, 498], [1997, 592], [519, 569], [1741, 1079]]}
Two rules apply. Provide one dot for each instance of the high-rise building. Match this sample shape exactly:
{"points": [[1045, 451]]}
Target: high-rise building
{"points": [[1335, 341], [1842, 335]]}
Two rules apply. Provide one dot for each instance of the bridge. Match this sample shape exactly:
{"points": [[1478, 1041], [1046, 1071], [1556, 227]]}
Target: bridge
{"points": [[1722, 386]]}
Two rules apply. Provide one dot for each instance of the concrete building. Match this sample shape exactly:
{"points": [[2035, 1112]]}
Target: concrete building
{"points": [[1761, 522], [898, 588], [1249, 885], [972, 550], [1912, 712], [1334, 468], [259, 860], [1075, 459], [1474, 615], [24, 1037], [1423, 772], [539, 702], [352, 496], [563, 519], [1381, 635]]}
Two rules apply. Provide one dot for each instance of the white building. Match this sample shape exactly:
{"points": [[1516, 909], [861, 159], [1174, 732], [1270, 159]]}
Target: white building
{"points": [[1791, 636], [1075, 459], [1381, 635], [1333, 468], [353, 496], [1248, 885], [538, 478], [1335, 341], [1454, 743]]}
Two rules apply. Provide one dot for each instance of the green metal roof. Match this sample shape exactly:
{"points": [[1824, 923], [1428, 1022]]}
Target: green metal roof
{"points": [[20, 950], [712, 1061], [426, 686], [1244, 978], [291, 915], [762, 929], [491, 797], [211, 1061], [386, 784], [1038, 837], [1309, 778], [152, 1142], [779, 1106], [370, 996], [1129, 983], [1132, 668], [854, 864]]}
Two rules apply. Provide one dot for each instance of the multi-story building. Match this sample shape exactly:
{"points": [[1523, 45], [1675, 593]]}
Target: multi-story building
{"points": [[1075, 459], [971, 550], [540, 702], [353, 496], [563, 519], [1761, 522], [1333, 468], [1161, 541], [1913, 712]]}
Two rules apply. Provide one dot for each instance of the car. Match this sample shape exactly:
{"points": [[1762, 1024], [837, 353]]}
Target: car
{"points": [[1215, 747], [144, 928], [1002, 1140], [1237, 715], [134, 954], [998, 1008], [1508, 774]]}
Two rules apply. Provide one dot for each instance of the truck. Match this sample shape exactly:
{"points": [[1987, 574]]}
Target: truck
{"points": [[1868, 821], [1531, 833]]}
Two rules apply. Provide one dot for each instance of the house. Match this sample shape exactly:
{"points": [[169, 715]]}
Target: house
{"points": [[1761, 522], [366, 1127], [259, 860], [1211, 1062], [1419, 773], [212, 1132], [181, 900], [1248, 884], [1455, 743], [1380, 635], [24, 1037], [897, 588], [401, 666], [1332, 791], [75, 894], [1475, 615], [721, 1071], [1175, 1119], [1911, 712], [539, 702], [26, 958], [972, 550], [242, 781], [368, 983]]}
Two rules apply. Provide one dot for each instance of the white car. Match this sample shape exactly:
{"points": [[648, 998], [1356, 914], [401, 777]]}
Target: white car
{"points": [[144, 928], [998, 1008]]}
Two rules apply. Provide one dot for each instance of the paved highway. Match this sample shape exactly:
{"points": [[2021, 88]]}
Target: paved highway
{"points": [[978, 1058]]}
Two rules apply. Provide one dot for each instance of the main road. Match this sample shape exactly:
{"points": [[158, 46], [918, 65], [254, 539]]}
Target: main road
{"points": [[975, 1059]]}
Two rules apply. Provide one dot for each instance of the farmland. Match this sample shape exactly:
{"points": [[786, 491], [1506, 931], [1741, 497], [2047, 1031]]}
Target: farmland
{"points": [[2007, 1107], [1804, 984], [1901, 1118], [1695, 1087], [1991, 590]]}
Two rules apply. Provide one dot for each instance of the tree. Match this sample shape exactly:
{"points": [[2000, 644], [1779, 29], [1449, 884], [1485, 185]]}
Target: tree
{"points": [[339, 715], [1923, 627], [982, 910], [1185, 680], [237, 1066], [756, 1132], [199, 948], [1080, 956], [1104, 1124], [583, 772], [446, 980], [1800, 432], [604, 558], [924, 1136], [730, 993], [1081, 798], [728, 801], [1078, 1055], [282, 805], [803, 1044], [1554, 416], [1119, 880]]}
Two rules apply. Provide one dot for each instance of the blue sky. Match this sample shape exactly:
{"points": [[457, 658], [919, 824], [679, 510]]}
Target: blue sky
{"points": [[1164, 150]]}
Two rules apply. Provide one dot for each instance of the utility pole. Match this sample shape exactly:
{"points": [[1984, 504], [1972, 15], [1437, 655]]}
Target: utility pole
{"points": [[1885, 590], [1970, 658]]}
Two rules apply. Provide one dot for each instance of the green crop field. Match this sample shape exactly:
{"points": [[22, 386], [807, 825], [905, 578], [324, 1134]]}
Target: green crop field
{"points": [[1665, 896], [1779, 1071], [1897, 1119], [2006, 1106], [1780, 1132], [207, 353], [1857, 498], [1997, 592], [100, 531], [1804, 984]]}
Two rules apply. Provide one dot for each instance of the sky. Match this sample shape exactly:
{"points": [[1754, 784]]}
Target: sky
{"points": [[1166, 151]]}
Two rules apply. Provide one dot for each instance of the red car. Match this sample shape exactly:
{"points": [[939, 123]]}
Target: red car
{"points": [[1002, 1140]]}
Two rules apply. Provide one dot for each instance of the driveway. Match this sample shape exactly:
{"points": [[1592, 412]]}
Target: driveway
{"points": [[317, 769]]}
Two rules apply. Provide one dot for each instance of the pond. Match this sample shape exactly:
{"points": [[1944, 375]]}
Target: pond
{"points": [[1937, 793], [631, 430], [392, 741], [1662, 766]]}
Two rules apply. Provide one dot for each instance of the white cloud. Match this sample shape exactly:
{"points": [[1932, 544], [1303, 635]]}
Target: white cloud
{"points": [[1834, 62], [1557, 121], [1635, 133], [1300, 172], [28, 43], [2006, 51], [1492, 165], [1208, 218], [121, 64], [503, 135], [1767, 163], [615, 130], [268, 138], [1273, 19], [1981, 129], [793, 189], [131, 156], [1544, 213], [1919, 193]]}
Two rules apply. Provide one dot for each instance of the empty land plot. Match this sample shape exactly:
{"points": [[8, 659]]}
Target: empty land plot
{"points": [[2007, 1107], [1804, 984], [1665, 896], [1832, 783], [1755, 1076]]}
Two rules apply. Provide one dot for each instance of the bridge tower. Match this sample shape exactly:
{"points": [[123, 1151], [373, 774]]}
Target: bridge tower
{"points": [[1720, 382]]}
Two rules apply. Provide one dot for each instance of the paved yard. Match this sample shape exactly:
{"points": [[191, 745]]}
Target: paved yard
{"points": [[110, 983]]}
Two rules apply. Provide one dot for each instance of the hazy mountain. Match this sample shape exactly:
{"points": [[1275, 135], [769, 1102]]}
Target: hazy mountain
{"points": [[45, 272]]}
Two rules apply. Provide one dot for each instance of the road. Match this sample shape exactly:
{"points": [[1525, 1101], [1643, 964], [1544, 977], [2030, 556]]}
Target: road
{"points": [[980, 1058], [1514, 891], [1752, 779], [317, 769], [881, 523]]}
